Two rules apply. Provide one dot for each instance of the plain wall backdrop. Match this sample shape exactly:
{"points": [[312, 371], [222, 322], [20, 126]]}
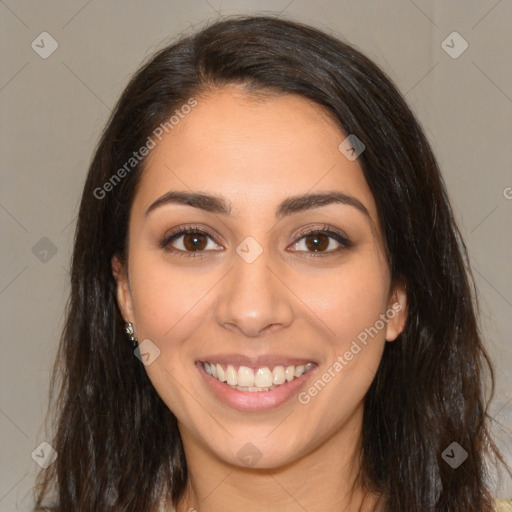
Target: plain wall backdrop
{"points": [[64, 65]]}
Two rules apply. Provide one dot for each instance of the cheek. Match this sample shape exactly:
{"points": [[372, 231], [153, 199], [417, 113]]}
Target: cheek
{"points": [[167, 298], [169, 304], [350, 303], [349, 299]]}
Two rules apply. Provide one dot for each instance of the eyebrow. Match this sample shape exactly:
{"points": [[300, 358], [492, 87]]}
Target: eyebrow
{"points": [[291, 205]]}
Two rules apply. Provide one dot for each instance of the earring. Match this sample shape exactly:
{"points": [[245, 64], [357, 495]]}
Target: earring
{"points": [[129, 330]]}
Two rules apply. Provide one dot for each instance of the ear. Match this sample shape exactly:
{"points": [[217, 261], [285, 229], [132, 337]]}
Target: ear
{"points": [[123, 293], [396, 312]]}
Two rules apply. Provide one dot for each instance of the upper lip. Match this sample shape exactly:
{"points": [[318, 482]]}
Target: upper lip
{"points": [[255, 361]]}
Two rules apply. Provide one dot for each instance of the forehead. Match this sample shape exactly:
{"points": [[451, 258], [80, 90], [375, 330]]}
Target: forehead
{"points": [[253, 149]]}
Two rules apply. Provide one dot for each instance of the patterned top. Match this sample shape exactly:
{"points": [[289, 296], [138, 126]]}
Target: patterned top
{"points": [[504, 506]]}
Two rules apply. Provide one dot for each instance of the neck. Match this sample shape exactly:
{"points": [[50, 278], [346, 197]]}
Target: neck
{"points": [[323, 479]]}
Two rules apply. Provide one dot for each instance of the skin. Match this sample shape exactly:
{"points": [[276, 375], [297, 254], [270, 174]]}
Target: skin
{"points": [[256, 151]]}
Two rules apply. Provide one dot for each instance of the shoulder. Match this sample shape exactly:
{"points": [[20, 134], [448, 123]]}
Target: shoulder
{"points": [[504, 506]]}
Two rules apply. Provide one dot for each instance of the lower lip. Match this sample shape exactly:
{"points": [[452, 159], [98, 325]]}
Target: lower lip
{"points": [[251, 401]]}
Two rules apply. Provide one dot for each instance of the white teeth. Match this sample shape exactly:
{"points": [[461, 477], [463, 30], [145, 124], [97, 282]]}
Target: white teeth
{"points": [[220, 373], [299, 370], [278, 375], [263, 379], [231, 376], [253, 389], [245, 377]]}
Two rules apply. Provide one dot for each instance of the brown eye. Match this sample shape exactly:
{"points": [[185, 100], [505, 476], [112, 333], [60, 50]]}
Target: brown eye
{"points": [[189, 241], [317, 242], [194, 241]]}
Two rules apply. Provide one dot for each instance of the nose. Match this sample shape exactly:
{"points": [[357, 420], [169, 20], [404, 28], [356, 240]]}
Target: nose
{"points": [[253, 300]]}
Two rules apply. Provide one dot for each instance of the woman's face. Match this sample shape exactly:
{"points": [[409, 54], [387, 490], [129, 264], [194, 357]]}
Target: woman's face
{"points": [[247, 290]]}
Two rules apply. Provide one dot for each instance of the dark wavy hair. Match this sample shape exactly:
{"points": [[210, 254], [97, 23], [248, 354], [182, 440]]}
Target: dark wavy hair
{"points": [[119, 448]]}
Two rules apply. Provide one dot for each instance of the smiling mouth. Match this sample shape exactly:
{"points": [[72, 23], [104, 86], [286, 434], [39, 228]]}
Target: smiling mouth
{"points": [[244, 378]]}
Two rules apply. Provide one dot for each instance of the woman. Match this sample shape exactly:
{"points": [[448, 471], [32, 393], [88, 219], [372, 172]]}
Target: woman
{"points": [[265, 219]]}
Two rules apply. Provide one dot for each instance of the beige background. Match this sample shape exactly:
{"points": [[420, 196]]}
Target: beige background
{"points": [[53, 110]]}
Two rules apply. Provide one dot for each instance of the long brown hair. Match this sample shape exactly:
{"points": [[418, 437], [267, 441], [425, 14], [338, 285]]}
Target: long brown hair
{"points": [[118, 444]]}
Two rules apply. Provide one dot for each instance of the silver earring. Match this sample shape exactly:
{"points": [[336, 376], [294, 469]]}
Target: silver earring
{"points": [[131, 334]]}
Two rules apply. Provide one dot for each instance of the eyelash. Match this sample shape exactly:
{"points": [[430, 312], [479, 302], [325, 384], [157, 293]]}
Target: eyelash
{"points": [[339, 237]]}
